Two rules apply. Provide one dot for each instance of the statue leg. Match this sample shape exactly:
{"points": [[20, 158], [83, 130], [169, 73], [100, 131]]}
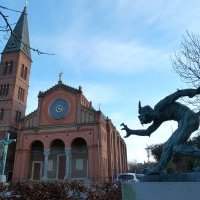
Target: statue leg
{"points": [[166, 155], [186, 127], [178, 137]]}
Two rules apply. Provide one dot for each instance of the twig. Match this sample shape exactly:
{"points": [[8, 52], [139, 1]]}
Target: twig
{"points": [[10, 9], [8, 26]]}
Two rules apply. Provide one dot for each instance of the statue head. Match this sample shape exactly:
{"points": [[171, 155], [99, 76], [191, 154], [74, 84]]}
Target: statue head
{"points": [[146, 114]]}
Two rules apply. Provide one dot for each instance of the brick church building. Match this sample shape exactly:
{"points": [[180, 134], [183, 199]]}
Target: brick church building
{"points": [[65, 137]]}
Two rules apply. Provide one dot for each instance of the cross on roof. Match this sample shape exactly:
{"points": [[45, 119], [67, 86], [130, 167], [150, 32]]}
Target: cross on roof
{"points": [[60, 76], [26, 3]]}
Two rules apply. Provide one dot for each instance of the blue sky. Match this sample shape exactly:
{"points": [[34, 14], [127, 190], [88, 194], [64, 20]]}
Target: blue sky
{"points": [[119, 51]]}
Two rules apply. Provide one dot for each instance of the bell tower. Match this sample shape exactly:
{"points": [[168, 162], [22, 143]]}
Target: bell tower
{"points": [[14, 75]]}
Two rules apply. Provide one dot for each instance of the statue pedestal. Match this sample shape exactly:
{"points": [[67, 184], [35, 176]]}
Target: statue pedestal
{"points": [[182, 186], [176, 177], [2, 179], [160, 190]]}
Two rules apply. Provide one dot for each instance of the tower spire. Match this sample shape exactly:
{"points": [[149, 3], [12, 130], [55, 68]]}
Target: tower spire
{"points": [[26, 3], [19, 40]]}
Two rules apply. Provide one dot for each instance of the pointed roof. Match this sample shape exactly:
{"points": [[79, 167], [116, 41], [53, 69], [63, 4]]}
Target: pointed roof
{"points": [[19, 41]]}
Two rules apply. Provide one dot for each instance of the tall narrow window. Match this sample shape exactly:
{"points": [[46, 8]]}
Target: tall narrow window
{"points": [[22, 98], [10, 67], [5, 68], [4, 90], [1, 114], [25, 73], [22, 71], [21, 94], [18, 116], [1, 90], [7, 90]]}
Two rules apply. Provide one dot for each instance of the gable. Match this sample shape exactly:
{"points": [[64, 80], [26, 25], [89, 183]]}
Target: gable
{"points": [[58, 105]]}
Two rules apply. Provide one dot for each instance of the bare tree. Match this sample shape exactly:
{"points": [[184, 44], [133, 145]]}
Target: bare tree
{"points": [[186, 62], [7, 27]]}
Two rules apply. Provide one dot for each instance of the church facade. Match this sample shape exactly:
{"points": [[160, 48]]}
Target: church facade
{"points": [[65, 137]]}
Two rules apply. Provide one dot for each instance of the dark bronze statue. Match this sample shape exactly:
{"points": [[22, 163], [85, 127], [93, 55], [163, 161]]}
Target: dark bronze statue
{"points": [[164, 110]]}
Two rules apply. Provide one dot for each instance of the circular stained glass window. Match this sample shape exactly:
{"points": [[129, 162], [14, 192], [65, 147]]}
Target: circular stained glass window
{"points": [[59, 109]]}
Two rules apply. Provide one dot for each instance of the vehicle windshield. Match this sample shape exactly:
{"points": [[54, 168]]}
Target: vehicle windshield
{"points": [[125, 177]]}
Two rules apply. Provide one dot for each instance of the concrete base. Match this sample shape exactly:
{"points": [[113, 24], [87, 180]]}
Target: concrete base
{"points": [[176, 177], [2, 179], [161, 191]]}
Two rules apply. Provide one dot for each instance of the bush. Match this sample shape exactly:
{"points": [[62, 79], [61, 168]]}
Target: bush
{"points": [[61, 191]]}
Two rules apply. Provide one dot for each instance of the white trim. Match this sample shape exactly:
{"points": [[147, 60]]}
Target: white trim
{"points": [[32, 169]]}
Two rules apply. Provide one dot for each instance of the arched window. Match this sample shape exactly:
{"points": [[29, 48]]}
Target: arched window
{"points": [[57, 160], [21, 94], [24, 72], [8, 67], [79, 158], [37, 159], [4, 89]]}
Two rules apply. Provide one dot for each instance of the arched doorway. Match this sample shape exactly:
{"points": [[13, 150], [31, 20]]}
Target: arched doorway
{"points": [[79, 165], [37, 160], [56, 163]]}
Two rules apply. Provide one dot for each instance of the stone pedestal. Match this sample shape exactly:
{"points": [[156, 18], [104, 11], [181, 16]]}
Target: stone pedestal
{"points": [[161, 191], [176, 177], [181, 186], [2, 179]]}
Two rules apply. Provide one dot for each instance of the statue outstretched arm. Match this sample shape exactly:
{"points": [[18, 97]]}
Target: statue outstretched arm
{"points": [[142, 132], [9, 142], [176, 95]]}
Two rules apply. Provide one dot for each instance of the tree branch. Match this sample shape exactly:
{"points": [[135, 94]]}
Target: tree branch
{"points": [[186, 63], [9, 28]]}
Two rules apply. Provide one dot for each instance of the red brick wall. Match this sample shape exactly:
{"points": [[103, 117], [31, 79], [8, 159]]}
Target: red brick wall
{"points": [[11, 102]]}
